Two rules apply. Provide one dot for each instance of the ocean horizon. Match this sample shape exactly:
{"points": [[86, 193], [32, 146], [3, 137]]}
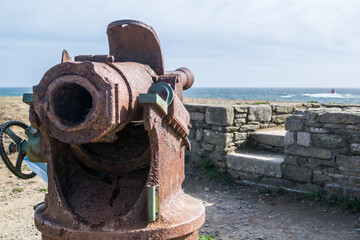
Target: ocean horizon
{"points": [[322, 95]]}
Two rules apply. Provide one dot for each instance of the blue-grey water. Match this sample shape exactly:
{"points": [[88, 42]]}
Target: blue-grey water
{"points": [[323, 95], [342, 95], [18, 91]]}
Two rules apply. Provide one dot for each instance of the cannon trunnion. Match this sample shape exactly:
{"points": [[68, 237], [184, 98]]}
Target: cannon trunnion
{"points": [[114, 132]]}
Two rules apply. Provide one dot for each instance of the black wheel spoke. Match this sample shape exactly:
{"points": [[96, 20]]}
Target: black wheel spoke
{"points": [[19, 161], [13, 136]]}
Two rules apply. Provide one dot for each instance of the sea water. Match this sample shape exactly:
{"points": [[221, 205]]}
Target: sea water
{"points": [[323, 95]]}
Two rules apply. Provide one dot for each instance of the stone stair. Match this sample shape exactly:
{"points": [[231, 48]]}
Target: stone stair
{"points": [[259, 163], [263, 156], [270, 140]]}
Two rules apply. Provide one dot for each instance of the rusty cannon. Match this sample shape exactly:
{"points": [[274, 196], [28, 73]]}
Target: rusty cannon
{"points": [[113, 134]]}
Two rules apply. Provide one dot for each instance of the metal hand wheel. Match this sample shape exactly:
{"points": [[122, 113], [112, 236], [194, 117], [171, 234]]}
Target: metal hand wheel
{"points": [[12, 137]]}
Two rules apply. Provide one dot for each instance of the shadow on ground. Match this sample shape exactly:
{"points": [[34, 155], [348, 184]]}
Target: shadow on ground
{"points": [[235, 211]]}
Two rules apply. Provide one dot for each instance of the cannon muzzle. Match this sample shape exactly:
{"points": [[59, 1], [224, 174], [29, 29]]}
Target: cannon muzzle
{"points": [[82, 102]]}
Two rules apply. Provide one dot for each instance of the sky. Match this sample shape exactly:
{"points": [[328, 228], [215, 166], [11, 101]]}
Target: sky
{"points": [[226, 43]]}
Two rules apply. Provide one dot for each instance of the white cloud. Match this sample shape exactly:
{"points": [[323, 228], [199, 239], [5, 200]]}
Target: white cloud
{"points": [[243, 37]]}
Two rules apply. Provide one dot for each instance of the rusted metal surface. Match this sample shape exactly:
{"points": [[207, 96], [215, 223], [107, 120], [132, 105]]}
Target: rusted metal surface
{"points": [[134, 41], [115, 168]]}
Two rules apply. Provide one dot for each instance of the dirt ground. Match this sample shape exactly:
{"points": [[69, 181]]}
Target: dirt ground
{"points": [[233, 211]]}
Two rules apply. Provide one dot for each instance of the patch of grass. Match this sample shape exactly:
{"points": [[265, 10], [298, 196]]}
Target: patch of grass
{"points": [[242, 145], [346, 203], [313, 101], [43, 190], [31, 182], [213, 173], [259, 103], [280, 192], [206, 237], [17, 189]]}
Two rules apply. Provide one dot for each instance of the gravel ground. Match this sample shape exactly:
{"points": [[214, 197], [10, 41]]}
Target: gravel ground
{"points": [[235, 211]]}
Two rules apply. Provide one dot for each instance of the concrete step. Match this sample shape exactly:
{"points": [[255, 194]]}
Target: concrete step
{"points": [[275, 138], [262, 163]]}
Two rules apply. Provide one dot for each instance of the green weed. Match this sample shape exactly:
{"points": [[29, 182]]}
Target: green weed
{"points": [[43, 190], [346, 203], [213, 173], [17, 189], [206, 237], [259, 103]]}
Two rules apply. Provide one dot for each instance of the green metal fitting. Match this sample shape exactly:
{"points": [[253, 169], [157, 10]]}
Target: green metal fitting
{"points": [[32, 148], [153, 203], [28, 98], [160, 94]]}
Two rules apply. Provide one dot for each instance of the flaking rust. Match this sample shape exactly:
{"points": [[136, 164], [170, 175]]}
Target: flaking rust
{"points": [[115, 156]]}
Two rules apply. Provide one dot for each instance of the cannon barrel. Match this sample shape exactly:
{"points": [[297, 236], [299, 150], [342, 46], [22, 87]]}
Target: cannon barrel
{"points": [[81, 102]]}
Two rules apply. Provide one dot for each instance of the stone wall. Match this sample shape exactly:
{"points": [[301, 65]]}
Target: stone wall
{"points": [[322, 146], [322, 150], [218, 130]]}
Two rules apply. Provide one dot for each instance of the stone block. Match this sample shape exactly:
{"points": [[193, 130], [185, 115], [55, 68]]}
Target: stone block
{"points": [[221, 116], [240, 109], [259, 113], [308, 151], [202, 125], [294, 125], [240, 136], [316, 130], [279, 118], [355, 148], [278, 182], [334, 125], [289, 138], [329, 141], [199, 134], [356, 137], [207, 146], [240, 115], [268, 125], [281, 109], [195, 108], [225, 129], [197, 116], [239, 121], [218, 157], [249, 128], [322, 179], [297, 173], [217, 138], [316, 163], [304, 139], [348, 162], [290, 160], [339, 117]]}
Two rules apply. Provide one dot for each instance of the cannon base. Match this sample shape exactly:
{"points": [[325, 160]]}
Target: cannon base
{"points": [[192, 236], [184, 225]]}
